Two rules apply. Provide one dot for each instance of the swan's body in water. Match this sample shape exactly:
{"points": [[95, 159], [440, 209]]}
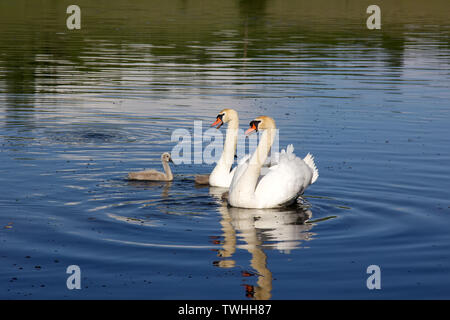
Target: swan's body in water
{"points": [[153, 175], [282, 184], [222, 174]]}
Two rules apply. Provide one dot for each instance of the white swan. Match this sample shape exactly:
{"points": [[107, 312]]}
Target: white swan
{"points": [[222, 174], [282, 184]]}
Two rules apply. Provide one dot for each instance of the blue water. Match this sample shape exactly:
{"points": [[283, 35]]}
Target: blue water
{"points": [[81, 109]]}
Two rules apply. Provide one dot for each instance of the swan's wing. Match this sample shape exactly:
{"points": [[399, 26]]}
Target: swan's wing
{"points": [[285, 181], [244, 161], [309, 160], [274, 158]]}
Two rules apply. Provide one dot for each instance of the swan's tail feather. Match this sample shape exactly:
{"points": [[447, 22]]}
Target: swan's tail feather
{"points": [[309, 160], [290, 148]]}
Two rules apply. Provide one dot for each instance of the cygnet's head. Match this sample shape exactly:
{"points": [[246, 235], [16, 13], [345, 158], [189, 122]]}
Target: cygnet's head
{"points": [[165, 157]]}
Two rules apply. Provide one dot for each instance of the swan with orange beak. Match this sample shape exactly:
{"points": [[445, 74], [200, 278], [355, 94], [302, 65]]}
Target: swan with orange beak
{"points": [[282, 184], [222, 174]]}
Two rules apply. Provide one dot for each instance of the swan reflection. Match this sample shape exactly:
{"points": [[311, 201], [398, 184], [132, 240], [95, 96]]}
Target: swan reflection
{"points": [[256, 230]]}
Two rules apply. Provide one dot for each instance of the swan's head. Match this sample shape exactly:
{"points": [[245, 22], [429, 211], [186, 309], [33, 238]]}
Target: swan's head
{"points": [[261, 123], [225, 116], [165, 157]]}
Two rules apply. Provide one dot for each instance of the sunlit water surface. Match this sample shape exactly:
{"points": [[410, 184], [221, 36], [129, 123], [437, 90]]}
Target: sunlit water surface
{"points": [[81, 109]]}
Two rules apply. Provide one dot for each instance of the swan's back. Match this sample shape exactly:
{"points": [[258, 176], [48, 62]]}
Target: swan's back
{"points": [[285, 181]]}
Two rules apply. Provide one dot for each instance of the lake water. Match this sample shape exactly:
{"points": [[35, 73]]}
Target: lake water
{"points": [[79, 109]]}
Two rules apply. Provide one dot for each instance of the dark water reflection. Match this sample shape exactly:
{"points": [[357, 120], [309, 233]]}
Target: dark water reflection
{"points": [[80, 109]]}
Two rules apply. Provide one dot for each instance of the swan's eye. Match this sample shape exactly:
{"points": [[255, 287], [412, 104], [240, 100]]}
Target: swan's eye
{"points": [[220, 116]]}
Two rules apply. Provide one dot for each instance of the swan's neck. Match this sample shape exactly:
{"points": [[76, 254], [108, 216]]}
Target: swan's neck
{"points": [[229, 149], [167, 170], [250, 177]]}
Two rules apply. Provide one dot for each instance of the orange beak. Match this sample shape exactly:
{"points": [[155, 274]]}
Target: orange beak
{"points": [[250, 130], [218, 122]]}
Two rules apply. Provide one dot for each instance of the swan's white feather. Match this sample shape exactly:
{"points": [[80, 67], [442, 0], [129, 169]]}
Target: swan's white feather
{"points": [[309, 160], [282, 183], [285, 181]]}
